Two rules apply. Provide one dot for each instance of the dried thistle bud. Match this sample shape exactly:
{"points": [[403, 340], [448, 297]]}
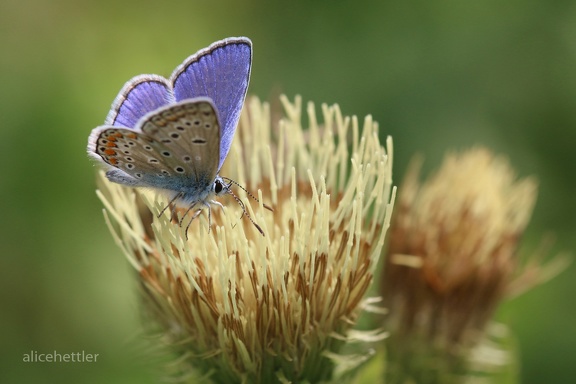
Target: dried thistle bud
{"points": [[452, 257]]}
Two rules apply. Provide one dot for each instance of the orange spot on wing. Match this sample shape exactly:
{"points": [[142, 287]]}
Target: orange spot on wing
{"points": [[110, 144], [113, 161], [110, 152], [131, 135]]}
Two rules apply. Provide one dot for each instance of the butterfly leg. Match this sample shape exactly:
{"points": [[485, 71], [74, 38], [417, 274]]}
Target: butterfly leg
{"points": [[179, 194], [216, 203], [195, 215], [186, 213]]}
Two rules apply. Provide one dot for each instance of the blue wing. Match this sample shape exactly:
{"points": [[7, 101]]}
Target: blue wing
{"points": [[222, 73], [139, 96]]}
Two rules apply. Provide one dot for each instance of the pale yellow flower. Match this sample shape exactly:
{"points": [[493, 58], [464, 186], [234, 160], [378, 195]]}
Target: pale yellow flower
{"points": [[242, 307], [452, 258]]}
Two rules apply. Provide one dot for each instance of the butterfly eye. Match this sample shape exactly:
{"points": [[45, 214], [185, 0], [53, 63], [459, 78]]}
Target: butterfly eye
{"points": [[218, 187]]}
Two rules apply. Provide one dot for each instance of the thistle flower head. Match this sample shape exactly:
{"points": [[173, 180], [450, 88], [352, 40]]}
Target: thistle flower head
{"points": [[452, 257], [241, 307]]}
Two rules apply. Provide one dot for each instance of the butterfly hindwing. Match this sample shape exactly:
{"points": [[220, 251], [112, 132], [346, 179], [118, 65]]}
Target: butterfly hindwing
{"points": [[133, 155], [174, 147]]}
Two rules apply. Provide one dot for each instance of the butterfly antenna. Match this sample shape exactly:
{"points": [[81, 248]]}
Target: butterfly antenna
{"points": [[243, 206], [179, 194], [245, 212], [230, 181]]}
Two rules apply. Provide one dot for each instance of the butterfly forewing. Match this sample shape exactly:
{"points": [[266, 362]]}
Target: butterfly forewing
{"points": [[222, 73], [190, 134]]}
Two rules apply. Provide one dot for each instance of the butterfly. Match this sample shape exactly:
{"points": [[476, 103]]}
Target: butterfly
{"points": [[174, 134]]}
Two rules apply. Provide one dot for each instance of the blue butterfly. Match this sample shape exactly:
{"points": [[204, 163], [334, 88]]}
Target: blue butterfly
{"points": [[174, 134]]}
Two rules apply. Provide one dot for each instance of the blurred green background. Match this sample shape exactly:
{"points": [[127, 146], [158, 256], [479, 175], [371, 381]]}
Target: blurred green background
{"points": [[435, 75]]}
